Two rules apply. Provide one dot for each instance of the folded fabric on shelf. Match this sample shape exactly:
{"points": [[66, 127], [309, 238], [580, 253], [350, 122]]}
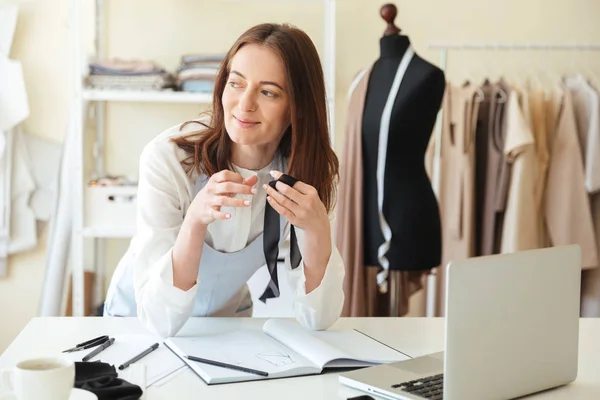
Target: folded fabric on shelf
{"points": [[115, 73], [197, 72], [202, 58], [117, 66], [197, 86], [140, 82]]}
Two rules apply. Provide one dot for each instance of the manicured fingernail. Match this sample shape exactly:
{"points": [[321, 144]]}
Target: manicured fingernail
{"points": [[253, 190], [227, 216], [247, 202], [265, 186], [272, 173]]}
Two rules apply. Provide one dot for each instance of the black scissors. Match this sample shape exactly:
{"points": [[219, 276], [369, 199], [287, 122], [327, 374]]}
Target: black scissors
{"points": [[86, 345]]}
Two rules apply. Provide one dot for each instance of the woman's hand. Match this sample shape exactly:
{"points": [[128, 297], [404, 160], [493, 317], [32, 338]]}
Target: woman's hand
{"points": [[300, 204], [218, 192], [303, 208]]}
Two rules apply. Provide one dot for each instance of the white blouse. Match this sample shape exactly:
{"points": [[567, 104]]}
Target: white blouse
{"points": [[586, 105], [165, 192]]}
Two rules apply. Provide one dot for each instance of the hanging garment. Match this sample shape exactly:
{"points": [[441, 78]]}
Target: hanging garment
{"points": [[61, 224], [482, 138], [590, 278], [6, 167], [360, 300], [14, 108], [567, 206], [14, 105], [587, 111], [43, 158], [538, 128], [34, 171], [520, 229], [23, 229], [497, 172], [586, 108], [456, 196], [590, 285], [8, 23]]}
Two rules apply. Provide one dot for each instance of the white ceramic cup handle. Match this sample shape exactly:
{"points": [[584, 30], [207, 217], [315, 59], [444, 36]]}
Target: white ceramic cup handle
{"points": [[6, 380]]}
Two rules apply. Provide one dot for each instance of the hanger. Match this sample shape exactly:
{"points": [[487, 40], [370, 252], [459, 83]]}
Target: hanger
{"points": [[389, 12], [550, 79], [503, 96], [480, 95], [575, 70], [534, 81], [495, 71]]}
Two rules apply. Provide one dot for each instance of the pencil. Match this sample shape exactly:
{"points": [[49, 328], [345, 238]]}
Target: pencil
{"points": [[139, 356], [98, 349], [229, 366]]}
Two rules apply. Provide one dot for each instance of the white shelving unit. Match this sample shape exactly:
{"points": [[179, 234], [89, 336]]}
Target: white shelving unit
{"points": [[87, 98], [141, 96]]}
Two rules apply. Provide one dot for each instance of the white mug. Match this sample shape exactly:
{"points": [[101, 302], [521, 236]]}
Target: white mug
{"points": [[50, 378]]}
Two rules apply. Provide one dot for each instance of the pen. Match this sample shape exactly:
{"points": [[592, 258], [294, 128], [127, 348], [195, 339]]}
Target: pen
{"points": [[139, 356], [97, 350], [235, 367]]}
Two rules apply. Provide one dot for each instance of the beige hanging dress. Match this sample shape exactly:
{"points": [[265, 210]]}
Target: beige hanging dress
{"points": [[457, 179], [566, 203], [538, 128], [587, 115], [521, 226]]}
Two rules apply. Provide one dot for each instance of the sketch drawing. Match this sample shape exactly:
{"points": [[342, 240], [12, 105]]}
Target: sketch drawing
{"points": [[276, 358]]}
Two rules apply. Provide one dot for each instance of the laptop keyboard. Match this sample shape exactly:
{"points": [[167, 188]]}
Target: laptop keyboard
{"points": [[431, 388]]}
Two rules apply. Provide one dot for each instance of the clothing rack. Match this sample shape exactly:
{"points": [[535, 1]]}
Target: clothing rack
{"points": [[445, 47]]}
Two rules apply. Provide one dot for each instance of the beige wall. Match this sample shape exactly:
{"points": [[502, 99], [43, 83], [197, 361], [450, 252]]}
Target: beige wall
{"points": [[165, 29]]}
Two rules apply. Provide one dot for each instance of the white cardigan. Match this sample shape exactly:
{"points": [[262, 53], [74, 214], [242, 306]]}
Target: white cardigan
{"points": [[164, 194]]}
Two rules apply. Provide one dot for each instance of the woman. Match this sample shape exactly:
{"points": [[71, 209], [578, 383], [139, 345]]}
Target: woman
{"points": [[204, 195]]}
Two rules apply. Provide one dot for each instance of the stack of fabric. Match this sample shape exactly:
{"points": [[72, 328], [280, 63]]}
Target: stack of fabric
{"points": [[197, 72], [116, 73]]}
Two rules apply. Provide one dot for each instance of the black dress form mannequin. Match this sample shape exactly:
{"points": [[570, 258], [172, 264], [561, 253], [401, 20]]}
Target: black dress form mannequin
{"points": [[409, 206]]}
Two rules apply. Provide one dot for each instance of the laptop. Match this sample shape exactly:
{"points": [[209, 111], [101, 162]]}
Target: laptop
{"points": [[511, 329]]}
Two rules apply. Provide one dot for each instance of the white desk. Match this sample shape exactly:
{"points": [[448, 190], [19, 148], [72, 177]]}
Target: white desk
{"points": [[415, 336]]}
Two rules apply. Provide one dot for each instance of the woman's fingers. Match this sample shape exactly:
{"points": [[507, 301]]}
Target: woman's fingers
{"points": [[227, 176], [216, 214], [289, 215], [233, 188], [282, 200], [251, 181], [290, 192], [226, 201]]}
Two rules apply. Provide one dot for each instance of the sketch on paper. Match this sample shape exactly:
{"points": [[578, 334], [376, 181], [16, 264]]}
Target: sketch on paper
{"points": [[276, 358]]}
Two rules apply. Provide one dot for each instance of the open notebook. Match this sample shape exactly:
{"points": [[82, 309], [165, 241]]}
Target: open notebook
{"points": [[282, 349]]}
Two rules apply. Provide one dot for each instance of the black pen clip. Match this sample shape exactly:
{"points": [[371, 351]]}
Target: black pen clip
{"points": [[87, 344]]}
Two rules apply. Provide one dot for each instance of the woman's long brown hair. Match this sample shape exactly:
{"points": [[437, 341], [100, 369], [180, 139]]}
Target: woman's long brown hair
{"points": [[306, 143]]}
